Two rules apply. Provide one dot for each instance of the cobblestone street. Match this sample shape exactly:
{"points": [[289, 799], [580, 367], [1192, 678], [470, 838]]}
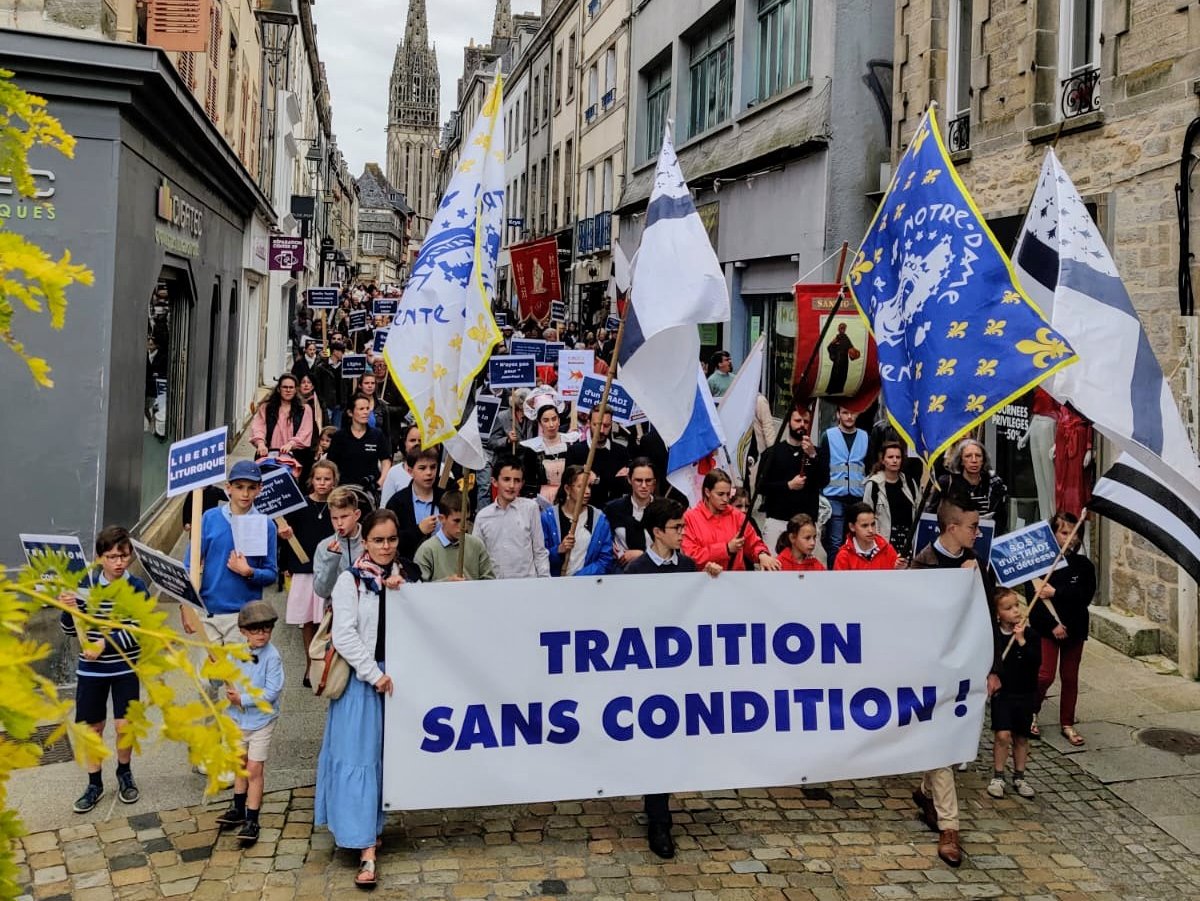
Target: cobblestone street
{"points": [[861, 840]]}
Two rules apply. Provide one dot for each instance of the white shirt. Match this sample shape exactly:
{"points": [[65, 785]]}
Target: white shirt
{"points": [[659, 561], [514, 539], [398, 478]]}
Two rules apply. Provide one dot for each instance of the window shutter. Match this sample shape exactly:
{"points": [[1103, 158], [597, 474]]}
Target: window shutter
{"points": [[177, 24], [210, 100]]}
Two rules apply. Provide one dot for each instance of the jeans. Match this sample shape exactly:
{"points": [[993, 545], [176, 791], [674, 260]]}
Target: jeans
{"points": [[335, 417], [835, 534]]}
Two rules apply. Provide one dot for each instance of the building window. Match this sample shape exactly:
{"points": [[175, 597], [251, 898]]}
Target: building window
{"points": [[958, 76], [711, 77], [593, 94], [558, 86], [571, 65], [546, 93], [610, 78], [569, 180], [783, 44], [658, 107], [606, 186], [537, 91], [1079, 56], [589, 193], [556, 179]]}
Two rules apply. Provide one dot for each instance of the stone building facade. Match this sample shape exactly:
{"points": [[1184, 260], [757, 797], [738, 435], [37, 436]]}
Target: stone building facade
{"points": [[1113, 85]]}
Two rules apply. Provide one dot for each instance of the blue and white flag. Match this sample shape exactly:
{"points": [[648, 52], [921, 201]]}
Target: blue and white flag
{"points": [[443, 332], [690, 456], [957, 338], [677, 284], [1154, 487]]}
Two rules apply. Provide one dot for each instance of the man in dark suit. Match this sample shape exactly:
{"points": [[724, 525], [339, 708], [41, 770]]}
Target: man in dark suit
{"points": [[416, 506], [625, 514], [611, 463]]}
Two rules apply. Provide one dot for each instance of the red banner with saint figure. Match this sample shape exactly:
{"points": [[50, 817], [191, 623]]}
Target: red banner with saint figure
{"points": [[535, 273], [846, 367]]}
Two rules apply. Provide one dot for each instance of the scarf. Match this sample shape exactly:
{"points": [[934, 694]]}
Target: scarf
{"points": [[371, 573]]}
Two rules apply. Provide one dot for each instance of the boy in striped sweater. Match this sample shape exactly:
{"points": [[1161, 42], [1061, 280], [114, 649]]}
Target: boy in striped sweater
{"points": [[105, 666]]}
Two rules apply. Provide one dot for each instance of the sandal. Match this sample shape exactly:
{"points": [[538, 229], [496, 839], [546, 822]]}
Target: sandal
{"points": [[1072, 736], [1034, 731], [366, 874]]}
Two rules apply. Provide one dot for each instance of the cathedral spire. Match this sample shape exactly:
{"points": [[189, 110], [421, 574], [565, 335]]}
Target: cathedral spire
{"points": [[416, 29], [502, 23]]}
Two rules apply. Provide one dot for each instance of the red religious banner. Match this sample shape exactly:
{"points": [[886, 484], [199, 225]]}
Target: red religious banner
{"points": [[535, 273], [847, 366]]}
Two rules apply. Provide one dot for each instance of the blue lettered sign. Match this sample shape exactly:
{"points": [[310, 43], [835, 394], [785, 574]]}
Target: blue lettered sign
{"points": [[384, 306], [197, 461], [486, 410], [358, 321], [927, 532], [501, 318], [534, 347], [619, 400], [354, 365], [381, 335], [323, 298], [1025, 554], [35, 545], [558, 311], [612, 323], [512, 372], [280, 495], [552, 350], [168, 575]]}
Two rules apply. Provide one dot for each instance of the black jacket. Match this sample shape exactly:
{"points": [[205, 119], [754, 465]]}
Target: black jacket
{"points": [[411, 536], [1074, 588], [1018, 671], [607, 463], [619, 513], [780, 464]]}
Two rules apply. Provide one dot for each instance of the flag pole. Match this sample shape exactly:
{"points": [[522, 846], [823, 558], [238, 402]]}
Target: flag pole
{"points": [[602, 406], [812, 358], [1062, 552], [462, 535]]}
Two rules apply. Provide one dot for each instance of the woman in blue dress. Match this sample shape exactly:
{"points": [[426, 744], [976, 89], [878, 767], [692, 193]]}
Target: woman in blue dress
{"points": [[350, 767]]}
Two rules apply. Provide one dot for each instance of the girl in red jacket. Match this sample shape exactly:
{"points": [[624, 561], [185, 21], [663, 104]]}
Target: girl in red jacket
{"points": [[864, 549], [801, 542]]}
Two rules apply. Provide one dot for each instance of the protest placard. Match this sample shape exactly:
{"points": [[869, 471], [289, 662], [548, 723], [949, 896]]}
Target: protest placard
{"points": [[381, 306], [533, 347], [512, 372], [573, 366], [34, 545], [619, 400], [578, 688], [927, 532], [322, 298], [487, 408], [553, 350], [612, 323], [196, 462], [381, 336], [279, 495], [558, 311], [1025, 554], [501, 318], [354, 365], [358, 321], [168, 575]]}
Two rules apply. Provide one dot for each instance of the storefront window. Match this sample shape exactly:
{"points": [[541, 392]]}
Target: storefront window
{"points": [[166, 375], [775, 315]]}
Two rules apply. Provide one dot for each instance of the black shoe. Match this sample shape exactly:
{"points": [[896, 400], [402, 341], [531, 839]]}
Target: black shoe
{"points": [[307, 682], [661, 843], [927, 812], [231, 817], [127, 790], [248, 834], [89, 799]]}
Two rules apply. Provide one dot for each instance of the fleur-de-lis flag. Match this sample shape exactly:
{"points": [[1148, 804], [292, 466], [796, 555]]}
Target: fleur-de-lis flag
{"points": [[443, 331], [936, 288]]}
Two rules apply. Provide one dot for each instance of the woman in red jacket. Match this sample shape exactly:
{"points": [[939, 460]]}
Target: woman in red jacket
{"points": [[712, 530], [864, 549]]}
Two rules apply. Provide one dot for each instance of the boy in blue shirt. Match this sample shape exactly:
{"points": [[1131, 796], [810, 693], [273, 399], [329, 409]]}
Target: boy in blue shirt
{"points": [[229, 579], [106, 665], [264, 671]]}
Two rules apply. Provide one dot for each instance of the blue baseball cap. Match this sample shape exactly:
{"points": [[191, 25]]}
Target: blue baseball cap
{"points": [[245, 471]]}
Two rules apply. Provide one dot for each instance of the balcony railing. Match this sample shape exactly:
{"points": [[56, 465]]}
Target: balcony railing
{"points": [[590, 114], [609, 98], [593, 234], [1081, 93], [584, 233], [593, 8], [958, 136]]}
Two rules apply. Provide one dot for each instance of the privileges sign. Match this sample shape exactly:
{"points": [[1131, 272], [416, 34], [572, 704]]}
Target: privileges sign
{"points": [[627, 685], [535, 273]]}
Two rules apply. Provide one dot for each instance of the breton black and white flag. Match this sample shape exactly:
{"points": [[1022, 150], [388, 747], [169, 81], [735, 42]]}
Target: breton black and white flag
{"points": [[1065, 267]]}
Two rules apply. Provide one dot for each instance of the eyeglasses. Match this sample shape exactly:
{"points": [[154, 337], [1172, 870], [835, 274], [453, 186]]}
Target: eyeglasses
{"points": [[675, 528], [387, 539], [260, 627], [116, 557]]}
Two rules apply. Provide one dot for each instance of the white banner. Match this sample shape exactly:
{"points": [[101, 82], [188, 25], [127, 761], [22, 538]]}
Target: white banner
{"points": [[540, 690]]}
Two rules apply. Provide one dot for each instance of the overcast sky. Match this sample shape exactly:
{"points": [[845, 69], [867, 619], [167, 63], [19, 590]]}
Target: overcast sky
{"points": [[357, 42]]}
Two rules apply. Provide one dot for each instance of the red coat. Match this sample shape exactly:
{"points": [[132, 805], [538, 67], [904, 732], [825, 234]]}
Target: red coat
{"points": [[790, 564], [706, 534], [848, 558]]}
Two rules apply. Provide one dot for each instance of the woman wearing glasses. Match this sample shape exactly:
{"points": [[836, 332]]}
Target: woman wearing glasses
{"points": [[350, 767]]}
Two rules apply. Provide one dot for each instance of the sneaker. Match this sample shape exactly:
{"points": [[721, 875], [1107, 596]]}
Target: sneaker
{"points": [[1024, 789], [996, 787], [248, 834], [231, 817], [89, 799], [127, 789]]}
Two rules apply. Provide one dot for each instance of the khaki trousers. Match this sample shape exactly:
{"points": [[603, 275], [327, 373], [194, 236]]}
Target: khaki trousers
{"points": [[939, 785]]}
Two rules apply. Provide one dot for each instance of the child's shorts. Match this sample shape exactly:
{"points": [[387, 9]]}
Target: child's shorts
{"points": [[258, 742], [1013, 713], [91, 696]]}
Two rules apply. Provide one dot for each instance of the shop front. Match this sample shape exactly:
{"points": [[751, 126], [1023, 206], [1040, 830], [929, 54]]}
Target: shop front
{"points": [[157, 205]]}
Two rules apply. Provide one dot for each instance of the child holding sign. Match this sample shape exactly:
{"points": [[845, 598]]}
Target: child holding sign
{"points": [[106, 666]]}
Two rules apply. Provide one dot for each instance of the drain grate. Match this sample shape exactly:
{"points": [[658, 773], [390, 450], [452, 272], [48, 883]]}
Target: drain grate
{"points": [[59, 752], [1176, 741]]}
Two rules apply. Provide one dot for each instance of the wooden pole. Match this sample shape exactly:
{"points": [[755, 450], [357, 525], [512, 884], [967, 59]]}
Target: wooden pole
{"points": [[324, 333], [297, 547], [512, 400], [1062, 551], [602, 406], [462, 537], [189, 615]]}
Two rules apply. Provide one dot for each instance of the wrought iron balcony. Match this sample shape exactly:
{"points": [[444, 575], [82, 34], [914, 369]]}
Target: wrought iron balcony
{"points": [[584, 231], [958, 136], [1081, 93], [609, 98], [593, 234], [590, 113], [593, 7]]}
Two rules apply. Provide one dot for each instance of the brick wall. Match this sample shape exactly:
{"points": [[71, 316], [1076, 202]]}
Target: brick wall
{"points": [[1127, 159]]}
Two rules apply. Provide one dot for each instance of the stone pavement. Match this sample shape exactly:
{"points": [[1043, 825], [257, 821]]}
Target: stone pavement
{"points": [[1084, 836]]}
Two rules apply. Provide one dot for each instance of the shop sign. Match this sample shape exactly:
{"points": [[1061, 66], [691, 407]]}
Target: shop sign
{"points": [[287, 253], [180, 223], [37, 207]]}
